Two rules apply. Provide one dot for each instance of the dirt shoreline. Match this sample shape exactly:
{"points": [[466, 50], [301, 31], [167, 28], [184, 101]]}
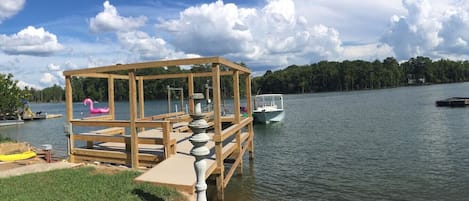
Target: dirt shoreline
{"points": [[14, 148], [36, 168]]}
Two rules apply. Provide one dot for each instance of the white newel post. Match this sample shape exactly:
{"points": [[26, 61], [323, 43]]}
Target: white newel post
{"points": [[198, 139]]}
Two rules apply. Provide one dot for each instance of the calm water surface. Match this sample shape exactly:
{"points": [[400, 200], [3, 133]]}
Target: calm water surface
{"points": [[391, 144]]}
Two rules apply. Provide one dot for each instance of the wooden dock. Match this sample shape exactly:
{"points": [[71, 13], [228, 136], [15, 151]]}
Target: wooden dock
{"points": [[453, 102], [178, 172], [161, 141], [33, 117], [52, 116], [40, 116]]}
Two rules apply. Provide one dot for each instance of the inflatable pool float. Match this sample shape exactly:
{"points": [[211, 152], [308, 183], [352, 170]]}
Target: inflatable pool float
{"points": [[19, 156], [93, 110]]}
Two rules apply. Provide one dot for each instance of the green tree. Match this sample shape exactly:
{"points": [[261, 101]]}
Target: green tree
{"points": [[53, 94], [11, 96]]}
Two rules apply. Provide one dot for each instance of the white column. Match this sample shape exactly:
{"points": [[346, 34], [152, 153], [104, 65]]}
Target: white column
{"points": [[199, 138]]}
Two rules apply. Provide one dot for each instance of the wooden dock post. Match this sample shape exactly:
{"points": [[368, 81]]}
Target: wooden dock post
{"points": [[220, 170], [237, 119], [110, 91], [190, 80], [141, 98], [199, 138], [133, 118], [69, 115], [249, 109]]}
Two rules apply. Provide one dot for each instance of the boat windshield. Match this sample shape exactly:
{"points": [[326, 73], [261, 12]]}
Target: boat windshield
{"points": [[275, 101]]}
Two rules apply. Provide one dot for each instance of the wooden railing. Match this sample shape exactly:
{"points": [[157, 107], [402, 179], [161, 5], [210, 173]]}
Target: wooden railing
{"points": [[100, 117], [115, 133], [235, 148], [163, 116]]}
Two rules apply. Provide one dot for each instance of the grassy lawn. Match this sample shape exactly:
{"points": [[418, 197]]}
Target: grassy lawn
{"points": [[5, 139], [85, 183]]}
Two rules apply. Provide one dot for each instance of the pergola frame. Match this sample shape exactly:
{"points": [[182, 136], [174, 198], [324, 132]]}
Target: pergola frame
{"points": [[134, 122]]}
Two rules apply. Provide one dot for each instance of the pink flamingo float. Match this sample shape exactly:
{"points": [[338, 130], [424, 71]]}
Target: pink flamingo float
{"points": [[94, 110]]}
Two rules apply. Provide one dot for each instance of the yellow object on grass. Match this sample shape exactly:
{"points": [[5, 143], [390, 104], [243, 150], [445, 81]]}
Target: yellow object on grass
{"points": [[19, 156]]}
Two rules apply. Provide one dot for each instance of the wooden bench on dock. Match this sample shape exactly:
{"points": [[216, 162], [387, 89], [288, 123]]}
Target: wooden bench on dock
{"points": [[163, 117], [178, 120], [106, 131], [116, 149]]}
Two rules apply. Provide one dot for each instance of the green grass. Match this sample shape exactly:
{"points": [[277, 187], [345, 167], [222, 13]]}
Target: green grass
{"points": [[82, 184], [5, 139]]}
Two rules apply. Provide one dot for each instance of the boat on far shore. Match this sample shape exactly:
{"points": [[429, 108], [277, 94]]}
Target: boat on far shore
{"points": [[268, 108]]}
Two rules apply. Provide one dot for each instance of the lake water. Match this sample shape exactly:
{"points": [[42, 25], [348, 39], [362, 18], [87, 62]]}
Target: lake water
{"points": [[391, 144]]}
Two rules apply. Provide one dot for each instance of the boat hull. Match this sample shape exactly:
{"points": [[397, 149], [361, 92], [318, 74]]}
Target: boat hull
{"points": [[20, 156], [268, 117]]}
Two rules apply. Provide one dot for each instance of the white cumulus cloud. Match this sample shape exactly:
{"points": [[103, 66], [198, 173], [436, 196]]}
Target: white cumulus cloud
{"points": [[148, 47], [357, 21], [56, 71], [274, 35], [30, 41], [455, 31], [70, 65], [49, 79], [415, 34], [143, 44], [109, 20], [53, 67], [211, 29], [437, 31], [368, 52], [9, 8], [23, 84]]}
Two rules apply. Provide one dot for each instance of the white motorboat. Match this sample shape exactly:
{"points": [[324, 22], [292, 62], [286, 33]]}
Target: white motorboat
{"points": [[268, 108]]}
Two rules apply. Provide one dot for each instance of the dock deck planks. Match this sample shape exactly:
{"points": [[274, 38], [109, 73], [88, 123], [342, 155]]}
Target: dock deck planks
{"points": [[178, 170]]}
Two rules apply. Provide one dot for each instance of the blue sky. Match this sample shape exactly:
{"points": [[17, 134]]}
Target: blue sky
{"points": [[40, 39]]}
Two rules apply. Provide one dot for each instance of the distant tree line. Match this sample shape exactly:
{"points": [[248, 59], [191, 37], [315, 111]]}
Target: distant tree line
{"points": [[50, 94], [317, 77], [359, 74]]}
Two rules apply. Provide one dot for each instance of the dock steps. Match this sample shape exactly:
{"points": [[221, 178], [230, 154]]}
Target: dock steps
{"points": [[178, 171]]}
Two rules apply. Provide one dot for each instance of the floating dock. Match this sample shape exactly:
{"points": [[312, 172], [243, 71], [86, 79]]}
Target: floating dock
{"points": [[11, 122], [453, 102], [33, 117], [40, 116], [52, 116]]}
